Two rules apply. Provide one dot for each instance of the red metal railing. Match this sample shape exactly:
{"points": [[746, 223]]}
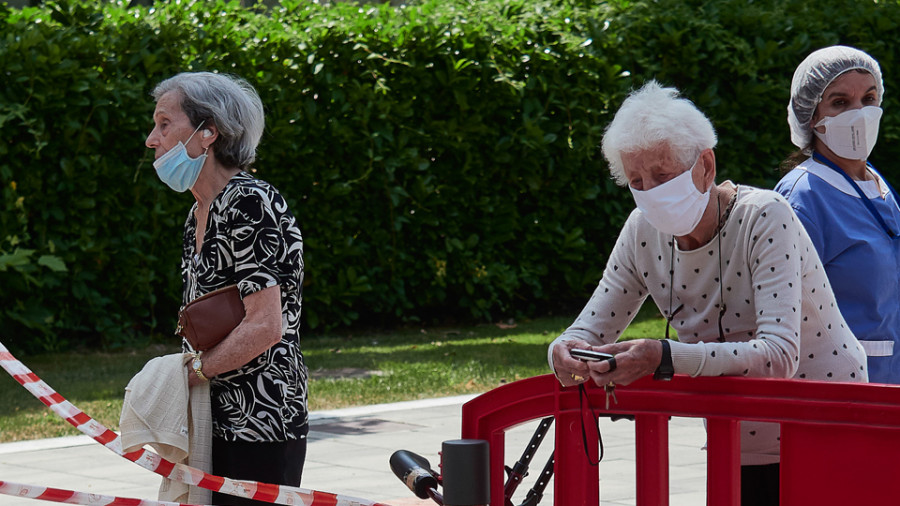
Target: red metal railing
{"points": [[840, 442]]}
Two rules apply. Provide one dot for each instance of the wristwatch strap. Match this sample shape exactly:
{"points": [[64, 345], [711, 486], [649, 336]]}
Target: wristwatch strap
{"points": [[666, 369], [197, 366]]}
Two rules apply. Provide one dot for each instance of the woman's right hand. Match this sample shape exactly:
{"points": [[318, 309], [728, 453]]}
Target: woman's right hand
{"points": [[569, 370]]}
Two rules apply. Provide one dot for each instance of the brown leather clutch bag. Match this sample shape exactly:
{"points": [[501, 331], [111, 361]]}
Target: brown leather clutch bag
{"points": [[208, 319]]}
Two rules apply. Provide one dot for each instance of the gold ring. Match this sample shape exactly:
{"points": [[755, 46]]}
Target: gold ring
{"points": [[577, 377]]}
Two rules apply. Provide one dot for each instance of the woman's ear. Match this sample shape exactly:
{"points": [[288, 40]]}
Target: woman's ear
{"points": [[815, 119], [208, 136], [708, 162]]}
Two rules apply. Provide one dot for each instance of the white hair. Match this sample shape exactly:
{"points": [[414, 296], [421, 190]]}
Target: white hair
{"points": [[228, 102], [652, 116]]}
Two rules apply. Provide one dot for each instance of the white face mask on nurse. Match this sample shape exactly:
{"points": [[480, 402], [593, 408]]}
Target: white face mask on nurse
{"points": [[851, 134], [847, 118]]}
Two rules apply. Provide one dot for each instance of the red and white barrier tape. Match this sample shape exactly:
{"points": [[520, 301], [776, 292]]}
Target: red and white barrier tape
{"points": [[266, 492], [73, 497]]}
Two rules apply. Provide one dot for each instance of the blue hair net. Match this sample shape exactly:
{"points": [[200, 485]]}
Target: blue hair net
{"points": [[813, 75]]}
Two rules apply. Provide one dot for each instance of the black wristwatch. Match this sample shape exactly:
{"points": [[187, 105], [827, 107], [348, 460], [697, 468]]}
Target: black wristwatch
{"points": [[666, 370]]}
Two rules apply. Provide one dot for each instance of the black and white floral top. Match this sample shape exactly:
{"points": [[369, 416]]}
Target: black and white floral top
{"points": [[253, 240]]}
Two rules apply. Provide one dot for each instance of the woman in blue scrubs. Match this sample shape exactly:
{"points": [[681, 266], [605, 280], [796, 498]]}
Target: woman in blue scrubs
{"points": [[849, 210]]}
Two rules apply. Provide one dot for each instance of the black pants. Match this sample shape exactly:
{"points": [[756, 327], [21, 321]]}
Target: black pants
{"points": [[278, 463], [760, 485]]}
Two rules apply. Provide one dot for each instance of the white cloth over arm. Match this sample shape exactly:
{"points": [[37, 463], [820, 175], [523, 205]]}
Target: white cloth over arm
{"points": [[159, 410]]}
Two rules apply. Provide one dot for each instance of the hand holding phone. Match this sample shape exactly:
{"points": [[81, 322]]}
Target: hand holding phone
{"points": [[589, 355]]}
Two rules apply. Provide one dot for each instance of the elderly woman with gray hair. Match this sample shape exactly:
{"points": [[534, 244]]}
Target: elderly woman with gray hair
{"points": [[849, 210], [239, 231], [729, 266]]}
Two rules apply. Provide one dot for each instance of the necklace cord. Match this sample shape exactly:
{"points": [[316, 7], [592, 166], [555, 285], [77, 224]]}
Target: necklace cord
{"points": [[721, 292], [722, 309]]}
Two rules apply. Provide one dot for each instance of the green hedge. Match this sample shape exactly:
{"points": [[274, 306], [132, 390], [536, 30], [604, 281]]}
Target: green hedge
{"points": [[442, 157]]}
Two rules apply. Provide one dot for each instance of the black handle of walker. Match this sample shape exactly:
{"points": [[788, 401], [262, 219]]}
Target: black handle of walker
{"points": [[520, 468], [416, 473], [536, 493]]}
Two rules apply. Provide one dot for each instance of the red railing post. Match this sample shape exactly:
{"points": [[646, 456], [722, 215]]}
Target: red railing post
{"points": [[723, 447], [475, 426], [582, 480], [497, 441], [652, 454]]}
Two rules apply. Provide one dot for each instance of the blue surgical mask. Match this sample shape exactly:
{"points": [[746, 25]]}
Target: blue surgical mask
{"points": [[177, 169]]}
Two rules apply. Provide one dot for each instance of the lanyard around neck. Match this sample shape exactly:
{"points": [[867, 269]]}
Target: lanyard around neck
{"points": [[871, 207]]}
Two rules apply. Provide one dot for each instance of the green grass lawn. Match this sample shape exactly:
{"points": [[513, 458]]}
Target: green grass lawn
{"points": [[346, 370]]}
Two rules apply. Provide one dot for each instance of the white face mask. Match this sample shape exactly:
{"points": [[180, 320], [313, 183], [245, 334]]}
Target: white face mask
{"points": [[674, 207], [851, 134]]}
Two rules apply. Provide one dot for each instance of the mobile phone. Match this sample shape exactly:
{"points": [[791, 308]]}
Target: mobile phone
{"points": [[589, 355]]}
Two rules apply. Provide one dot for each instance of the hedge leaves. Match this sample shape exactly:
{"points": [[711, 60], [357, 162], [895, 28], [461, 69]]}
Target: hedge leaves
{"points": [[442, 157]]}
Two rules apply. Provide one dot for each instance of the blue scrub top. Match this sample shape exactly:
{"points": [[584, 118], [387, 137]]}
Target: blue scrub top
{"points": [[862, 261]]}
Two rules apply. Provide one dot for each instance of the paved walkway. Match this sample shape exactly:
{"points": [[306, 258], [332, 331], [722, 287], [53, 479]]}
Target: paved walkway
{"points": [[348, 454]]}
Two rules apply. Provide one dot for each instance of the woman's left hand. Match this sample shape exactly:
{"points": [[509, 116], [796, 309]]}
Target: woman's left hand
{"points": [[258, 331], [634, 360], [193, 379]]}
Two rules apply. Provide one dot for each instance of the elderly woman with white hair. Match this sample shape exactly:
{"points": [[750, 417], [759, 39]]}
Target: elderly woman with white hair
{"points": [[239, 231], [849, 210], [729, 266]]}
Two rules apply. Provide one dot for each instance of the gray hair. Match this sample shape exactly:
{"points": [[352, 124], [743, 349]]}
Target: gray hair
{"points": [[228, 102], [651, 116], [813, 76]]}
